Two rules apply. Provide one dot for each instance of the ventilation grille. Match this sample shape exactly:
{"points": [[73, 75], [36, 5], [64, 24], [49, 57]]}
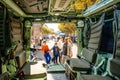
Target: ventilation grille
{"points": [[61, 4]]}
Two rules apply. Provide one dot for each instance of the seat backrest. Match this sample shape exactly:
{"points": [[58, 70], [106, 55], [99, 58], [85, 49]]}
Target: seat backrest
{"points": [[90, 54], [21, 59], [95, 35], [115, 62]]}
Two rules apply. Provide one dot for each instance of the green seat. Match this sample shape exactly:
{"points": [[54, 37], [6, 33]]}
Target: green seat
{"points": [[79, 64], [84, 63], [87, 59], [114, 63], [32, 70], [88, 56]]}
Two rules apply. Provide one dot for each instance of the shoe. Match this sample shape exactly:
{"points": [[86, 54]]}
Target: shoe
{"points": [[47, 66]]}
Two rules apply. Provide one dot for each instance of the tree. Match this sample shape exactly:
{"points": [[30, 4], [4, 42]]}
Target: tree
{"points": [[46, 30], [67, 28], [83, 4]]}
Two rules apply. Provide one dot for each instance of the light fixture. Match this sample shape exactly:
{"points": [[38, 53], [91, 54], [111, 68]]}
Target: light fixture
{"points": [[38, 19], [57, 14], [80, 23]]}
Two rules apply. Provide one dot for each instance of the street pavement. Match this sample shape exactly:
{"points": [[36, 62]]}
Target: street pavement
{"points": [[50, 43], [60, 75], [56, 75]]}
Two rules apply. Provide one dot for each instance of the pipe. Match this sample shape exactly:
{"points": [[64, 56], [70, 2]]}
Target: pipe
{"points": [[10, 4], [108, 20], [15, 7]]}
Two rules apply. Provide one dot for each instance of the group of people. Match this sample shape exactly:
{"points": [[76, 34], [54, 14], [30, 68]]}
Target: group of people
{"points": [[60, 51], [35, 42]]}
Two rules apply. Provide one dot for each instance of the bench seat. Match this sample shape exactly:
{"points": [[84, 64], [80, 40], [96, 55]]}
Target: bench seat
{"points": [[79, 64], [83, 63], [32, 70]]}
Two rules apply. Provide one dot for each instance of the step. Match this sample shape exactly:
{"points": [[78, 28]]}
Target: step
{"points": [[52, 68]]}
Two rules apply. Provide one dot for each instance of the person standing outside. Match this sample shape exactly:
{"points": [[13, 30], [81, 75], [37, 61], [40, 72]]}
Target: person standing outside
{"points": [[66, 51], [60, 45], [45, 50], [56, 50], [70, 45]]}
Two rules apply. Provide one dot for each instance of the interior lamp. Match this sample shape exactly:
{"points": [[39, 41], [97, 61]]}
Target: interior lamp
{"points": [[80, 23]]}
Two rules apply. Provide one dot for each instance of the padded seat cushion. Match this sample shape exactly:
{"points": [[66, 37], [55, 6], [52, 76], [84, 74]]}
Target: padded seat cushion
{"points": [[79, 64], [92, 77], [34, 69], [31, 69], [115, 67], [89, 55]]}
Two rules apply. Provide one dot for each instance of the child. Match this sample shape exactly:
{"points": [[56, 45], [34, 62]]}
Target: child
{"points": [[55, 49], [45, 50]]}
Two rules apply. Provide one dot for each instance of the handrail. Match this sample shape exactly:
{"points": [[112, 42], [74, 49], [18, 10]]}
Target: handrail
{"points": [[12, 5]]}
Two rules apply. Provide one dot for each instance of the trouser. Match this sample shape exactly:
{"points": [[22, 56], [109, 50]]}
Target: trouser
{"points": [[55, 58], [60, 57], [47, 58], [64, 58]]}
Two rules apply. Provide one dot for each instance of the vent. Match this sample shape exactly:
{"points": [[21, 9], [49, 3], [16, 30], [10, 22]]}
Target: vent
{"points": [[61, 5], [33, 6]]}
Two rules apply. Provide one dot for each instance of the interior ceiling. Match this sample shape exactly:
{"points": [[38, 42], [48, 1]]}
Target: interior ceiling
{"points": [[52, 7], [61, 5], [33, 6]]}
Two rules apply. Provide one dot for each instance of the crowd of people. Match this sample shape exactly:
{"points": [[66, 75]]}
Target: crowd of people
{"points": [[61, 50]]}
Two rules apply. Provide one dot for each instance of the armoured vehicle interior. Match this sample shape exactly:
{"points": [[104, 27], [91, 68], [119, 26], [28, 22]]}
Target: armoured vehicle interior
{"points": [[98, 38]]}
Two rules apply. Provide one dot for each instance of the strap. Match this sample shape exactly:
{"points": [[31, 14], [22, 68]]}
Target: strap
{"points": [[115, 31]]}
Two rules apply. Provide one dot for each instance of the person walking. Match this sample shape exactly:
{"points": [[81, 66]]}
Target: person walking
{"points": [[56, 50], [45, 50]]}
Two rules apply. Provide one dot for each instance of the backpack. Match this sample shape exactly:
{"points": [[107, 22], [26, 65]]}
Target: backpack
{"points": [[56, 53]]}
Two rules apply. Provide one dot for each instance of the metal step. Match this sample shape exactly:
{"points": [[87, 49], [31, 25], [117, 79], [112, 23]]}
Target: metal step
{"points": [[52, 68]]}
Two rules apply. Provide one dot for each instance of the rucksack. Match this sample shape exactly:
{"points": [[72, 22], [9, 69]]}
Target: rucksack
{"points": [[56, 47]]}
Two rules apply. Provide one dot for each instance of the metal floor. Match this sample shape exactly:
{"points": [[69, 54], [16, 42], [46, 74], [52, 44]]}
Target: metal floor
{"points": [[56, 76], [55, 68], [56, 72]]}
